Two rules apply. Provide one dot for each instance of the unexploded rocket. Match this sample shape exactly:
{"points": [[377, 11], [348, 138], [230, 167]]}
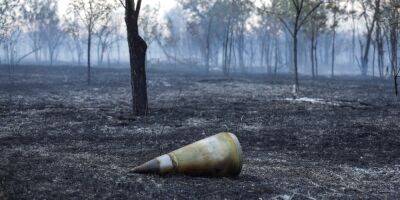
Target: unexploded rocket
{"points": [[218, 155]]}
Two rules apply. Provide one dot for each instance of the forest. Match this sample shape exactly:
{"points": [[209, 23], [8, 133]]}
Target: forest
{"points": [[90, 89]]}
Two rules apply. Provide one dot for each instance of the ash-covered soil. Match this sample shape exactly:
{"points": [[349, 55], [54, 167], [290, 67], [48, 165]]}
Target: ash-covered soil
{"points": [[62, 139]]}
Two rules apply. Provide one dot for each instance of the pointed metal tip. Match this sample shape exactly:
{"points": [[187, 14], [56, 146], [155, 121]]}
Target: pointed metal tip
{"points": [[151, 167], [135, 170]]}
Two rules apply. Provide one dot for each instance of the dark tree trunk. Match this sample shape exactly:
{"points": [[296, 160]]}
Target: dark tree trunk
{"points": [[316, 58], [262, 49], [333, 53], [267, 57], [208, 46], [119, 53], [296, 75], [365, 59], [241, 47], [79, 52], [312, 55], [227, 50], [393, 44], [373, 60], [277, 56], [370, 30], [379, 44], [88, 56], [137, 55]]}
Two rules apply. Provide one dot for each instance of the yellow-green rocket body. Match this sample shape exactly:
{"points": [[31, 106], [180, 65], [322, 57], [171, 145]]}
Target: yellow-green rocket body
{"points": [[218, 155]]}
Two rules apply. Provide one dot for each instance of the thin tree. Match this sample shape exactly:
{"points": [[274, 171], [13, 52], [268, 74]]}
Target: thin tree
{"points": [[393, 26], [379, 40], [337, 14], [34, 15], [7, 18], [52, 32], [370, 22], [201, 25], [313, 29], [294, 14], [137, 55], [73, 29], [104, 38], [150, 28], [91, 13]]}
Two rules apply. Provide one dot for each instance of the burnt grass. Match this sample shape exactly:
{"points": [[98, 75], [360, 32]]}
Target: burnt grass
{"points": [[63, 139]]}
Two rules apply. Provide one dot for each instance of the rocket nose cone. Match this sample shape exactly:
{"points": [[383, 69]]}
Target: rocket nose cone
{"points": [[151, 167]]}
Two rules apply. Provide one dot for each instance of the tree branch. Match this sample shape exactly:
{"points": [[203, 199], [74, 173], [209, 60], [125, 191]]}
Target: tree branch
{"points": [[137, 10], [26, 55], [122, 3], [310, 13], [286, 25]]}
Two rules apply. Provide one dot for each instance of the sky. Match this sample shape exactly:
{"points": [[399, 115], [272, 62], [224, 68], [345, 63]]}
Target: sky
{"points": [[165, 5]]}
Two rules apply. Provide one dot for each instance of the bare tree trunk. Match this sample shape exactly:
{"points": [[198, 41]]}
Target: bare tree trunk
{"points": [[277, 56], [312, 56], [137, 52], [379, 44], [333, 53], [51, 53], [79, 52], [252, 54], [103, 49], [231, 51], [241, 46], [316, 58], [370, 30], [208, 46], [365, 59], [226, 50], [380, 54], [109, 59], [296, 76], [373, 60], [98, 52], [262, 49], [89, 47], [225, 53], [393, 44], [119, 52], [353, 39], [267, 58]]}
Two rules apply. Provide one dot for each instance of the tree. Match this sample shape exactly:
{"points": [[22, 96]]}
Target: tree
{"points": [[90, 13], [337, 14], [316, 25], [379, 40], [294, 14], [8, 16], [240, 13], [73, 29], [52, 32], [10, 32], [392, 18], [149, 28], [104, 37], [169, 41], [368, 6], [34, 16], [169, 35], [269, 32], [227, 15], [137, 55], [201, 23]]}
